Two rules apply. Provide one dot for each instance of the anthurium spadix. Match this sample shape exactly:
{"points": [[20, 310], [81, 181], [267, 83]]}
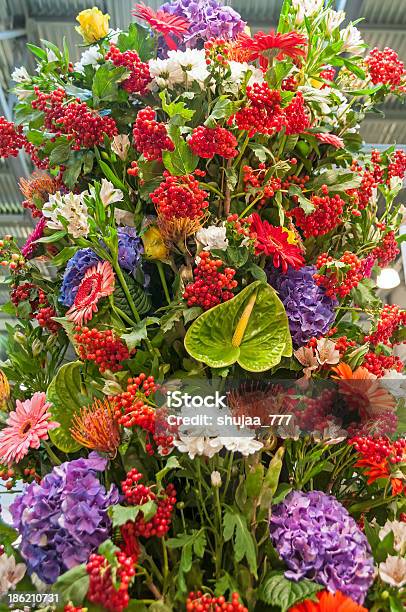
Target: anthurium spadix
{"points": [[251, 329]]}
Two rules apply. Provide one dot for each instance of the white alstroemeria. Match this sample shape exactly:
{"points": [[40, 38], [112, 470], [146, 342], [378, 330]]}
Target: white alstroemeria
{"points": [[402, 211], [10, 573], [113, 36], [238, 72], [246, 445], [51, 56], [89, 57], [192, 63], [393, 571], [395, 383], [353, 42], [334, 19], [306, 8], [326, 352], [20, 75], [108, 194], [289, 431], [165, 73], [198, 445], [72, 208], [398, 528], [215, 478], [308, 358], [213, 237], [332, 434], [124, 217], [120, 145], [319, 97]]}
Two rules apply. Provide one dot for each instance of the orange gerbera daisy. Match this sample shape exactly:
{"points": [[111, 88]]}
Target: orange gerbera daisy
{"points": [[264, 46], [97, 282], [329, 602], [163, 22]]}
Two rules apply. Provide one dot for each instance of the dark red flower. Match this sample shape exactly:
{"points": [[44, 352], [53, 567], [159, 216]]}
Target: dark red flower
{"points": [[275, 242], [264, 46], [163, 22]]}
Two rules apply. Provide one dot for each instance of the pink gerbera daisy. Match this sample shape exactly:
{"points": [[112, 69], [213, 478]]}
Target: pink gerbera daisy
{"points": [[98, 282], [26, 427], [331, 139]]}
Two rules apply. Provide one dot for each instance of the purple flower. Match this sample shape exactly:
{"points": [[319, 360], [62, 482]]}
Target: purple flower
{"points": [[207, 19], [28, 250], [130, 248], [64, 518], [318, 539], [74, 272], [310, 311]]}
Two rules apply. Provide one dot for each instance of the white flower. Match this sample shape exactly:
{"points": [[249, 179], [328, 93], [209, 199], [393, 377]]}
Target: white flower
{"points": [[395, 383], [398, 528], [332, 434], [289, 431], [353, 42], [89, 57], [215, 478], [198, 445], [120, 145], [113, 36], [192, 63], [72, 208], [10, 573], [326, 352], [20, 75], [242, 444], [393, 571], [124, 217], [165, 73], [334, 19], [108, 194], [51, 56], [306, 8], [213, 237], [238, 72]]}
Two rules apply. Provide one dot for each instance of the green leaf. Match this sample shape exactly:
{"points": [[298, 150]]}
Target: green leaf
{"points": [[281, 492], [235, 527], [395, 604], [337, 180], [41, 53], [140, 297], [106, 81], [138, 38], [305, 203], [108, 173], [64, 393], [72, 585], [121, 514], [64, 255], [135, 336], [258, 347], [271, 479], [176, 108], [223, 109], [171, 464], [52, 238], [279, 591], [8, 536], [181, 161], [59, 154], [71, 174], [108, 549], [261, 153]]}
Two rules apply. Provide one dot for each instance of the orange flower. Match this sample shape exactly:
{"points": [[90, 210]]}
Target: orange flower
{"points": [[95, 427], [380, 469], [329, 602]]}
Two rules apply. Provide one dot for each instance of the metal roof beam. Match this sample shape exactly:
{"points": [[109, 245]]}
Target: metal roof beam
{"points": [[10, 34], [382, 27]]}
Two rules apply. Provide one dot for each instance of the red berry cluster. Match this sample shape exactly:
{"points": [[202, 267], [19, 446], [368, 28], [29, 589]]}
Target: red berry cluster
{"points": [[335, 280], [208, 142], [211, 286], [263, 113], [385, 67], [158, 526], [216, 52], [40, 308], [199, 602], [390, 320], [11, 138], [102, 589], [377, 364], [297, 119], [7, 474], [328, 73], [314, 414], [387, 250], [82, 125], [240, 227], [131, 408], [325, 217], [136, 494], [378, 448], [254, 179], [102, 347], [179, 196], [133, 170], [289, 84], [45, 317], [139, 78], [71, 608], [150, 136], [397, 165], [343, 344]]}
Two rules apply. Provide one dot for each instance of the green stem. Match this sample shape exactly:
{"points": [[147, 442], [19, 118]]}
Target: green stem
{"points": [[165, 565], [242, 151], [54, 459], [127, 292], [163, 280], [248, 208]]}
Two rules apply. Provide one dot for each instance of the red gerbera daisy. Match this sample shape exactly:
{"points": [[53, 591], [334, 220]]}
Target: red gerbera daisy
{"points": [[329, 602], [274, 242], [266, 46], [98, 282], [163, 22]]}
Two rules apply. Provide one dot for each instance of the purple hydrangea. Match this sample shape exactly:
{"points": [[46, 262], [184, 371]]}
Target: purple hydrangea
{"points": [[130, 248], [318, 539], [310, 311], [74, 272], [64, 518], [207, 19]]}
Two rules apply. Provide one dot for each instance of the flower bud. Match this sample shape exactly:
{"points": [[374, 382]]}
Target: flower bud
{"points": [[19, 337], [215, 479], [37, 347]]}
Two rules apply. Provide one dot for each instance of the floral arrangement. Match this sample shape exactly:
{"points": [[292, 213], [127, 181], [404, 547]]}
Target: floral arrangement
{"points": [[207, 222]]}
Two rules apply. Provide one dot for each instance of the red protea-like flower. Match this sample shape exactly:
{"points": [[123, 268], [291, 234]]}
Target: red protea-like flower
{"points": [[331, 139], [163, 22], [264, 46], [274, 242], [98, 282]]}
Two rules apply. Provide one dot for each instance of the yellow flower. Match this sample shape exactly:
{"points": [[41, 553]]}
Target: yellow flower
{"points": [[291, 236], [154, 245], [4, 390], [93, 24]]}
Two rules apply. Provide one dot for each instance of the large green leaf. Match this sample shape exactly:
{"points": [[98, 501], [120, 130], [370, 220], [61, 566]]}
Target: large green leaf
{"points": [[73, 585], [265, 340], [279, 591], [66, 398]]}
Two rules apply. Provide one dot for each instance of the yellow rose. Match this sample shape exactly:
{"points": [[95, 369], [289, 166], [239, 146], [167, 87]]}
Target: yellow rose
{"points": [[154, 246], [93, 24]]}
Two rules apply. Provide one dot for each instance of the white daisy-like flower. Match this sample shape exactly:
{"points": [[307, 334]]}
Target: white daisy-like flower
{"points": [[393, 571], [398, 528], [334, 19], [213, 237], [332, 434], [353, 42], [70, 207], [10, 573], [89, 57], [108, 194], [20, 75], [198, 445], [165, 73], [246, 445], [113, 36], [192, 63]]}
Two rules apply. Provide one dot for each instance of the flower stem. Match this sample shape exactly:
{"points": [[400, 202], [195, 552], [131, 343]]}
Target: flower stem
{"points": [[127, 292], [54, 459], [163, 280]]}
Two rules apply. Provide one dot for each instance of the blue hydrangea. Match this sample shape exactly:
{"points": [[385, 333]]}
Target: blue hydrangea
{"points": [[130, 248]]}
